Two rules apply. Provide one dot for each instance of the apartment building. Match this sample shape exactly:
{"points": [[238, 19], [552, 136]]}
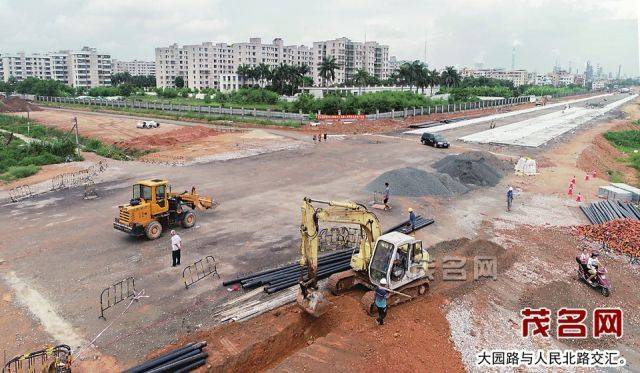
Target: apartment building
{"points": [[134, 68], [204, 65], [85, 68], [212, 65], [518, 77], [351, 56]]}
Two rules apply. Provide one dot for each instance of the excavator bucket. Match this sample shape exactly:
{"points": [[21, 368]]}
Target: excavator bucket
{"points": [[315, 303]]}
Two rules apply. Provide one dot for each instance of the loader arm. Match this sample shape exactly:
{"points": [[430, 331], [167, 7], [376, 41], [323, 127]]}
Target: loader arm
{"points": [[194, 200]]}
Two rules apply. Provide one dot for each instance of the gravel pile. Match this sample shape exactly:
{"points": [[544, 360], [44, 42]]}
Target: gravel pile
{"points": [[412, 182], [475, 168]]}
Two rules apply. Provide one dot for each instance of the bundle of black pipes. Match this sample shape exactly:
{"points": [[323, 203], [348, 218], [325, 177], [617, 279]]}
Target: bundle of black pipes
{"points": [[604, 211], [183, 359], [286, 276]]}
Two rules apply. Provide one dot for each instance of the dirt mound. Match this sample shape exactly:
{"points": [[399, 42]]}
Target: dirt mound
{"points": [[167, 139], [17, 105], [603, 157], [476, 168], [412, 182]]}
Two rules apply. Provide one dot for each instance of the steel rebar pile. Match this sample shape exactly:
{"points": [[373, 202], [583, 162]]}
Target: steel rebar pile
{"points": [[184, 359], [604, 211], [286, 276]]}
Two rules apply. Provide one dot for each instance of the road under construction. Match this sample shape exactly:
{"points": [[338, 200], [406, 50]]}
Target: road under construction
{"points": [[60, 252]]}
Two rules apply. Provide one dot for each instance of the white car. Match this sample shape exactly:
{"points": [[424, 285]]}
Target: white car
{"points": [[148, 124]]}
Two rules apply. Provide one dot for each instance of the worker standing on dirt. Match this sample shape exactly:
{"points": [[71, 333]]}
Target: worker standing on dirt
{"points": [[509, 198], [412, 219], [381, 300], [176, 246], [385, 196]]}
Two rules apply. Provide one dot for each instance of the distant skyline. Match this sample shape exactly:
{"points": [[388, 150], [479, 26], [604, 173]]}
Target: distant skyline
{"points": [[457, 32]]}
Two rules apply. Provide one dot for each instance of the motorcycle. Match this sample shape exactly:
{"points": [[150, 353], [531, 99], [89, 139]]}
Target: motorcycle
{"points": [[600, 282]]}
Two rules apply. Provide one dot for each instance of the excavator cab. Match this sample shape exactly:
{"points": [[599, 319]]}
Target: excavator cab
{"points": [[398, 258]]}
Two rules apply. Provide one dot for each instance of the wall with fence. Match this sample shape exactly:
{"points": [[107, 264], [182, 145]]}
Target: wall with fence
{"points": [[282, 115]]}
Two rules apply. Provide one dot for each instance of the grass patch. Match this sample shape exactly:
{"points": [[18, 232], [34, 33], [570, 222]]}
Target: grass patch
{"points": [[19, 159], [179, 116], [55, 137], [615, 176], [627, 142], [19, 172]]}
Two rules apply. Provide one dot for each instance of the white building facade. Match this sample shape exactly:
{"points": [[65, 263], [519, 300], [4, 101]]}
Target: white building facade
{"points": [[86, 68], [204, 65], [134, 68]]}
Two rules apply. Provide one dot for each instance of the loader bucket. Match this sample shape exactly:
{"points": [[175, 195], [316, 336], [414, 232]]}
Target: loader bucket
{"points": [[315, 303]]}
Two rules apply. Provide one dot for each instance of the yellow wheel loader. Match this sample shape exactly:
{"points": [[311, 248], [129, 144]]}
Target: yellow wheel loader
{"points": [[394, 256], [154, 207]]}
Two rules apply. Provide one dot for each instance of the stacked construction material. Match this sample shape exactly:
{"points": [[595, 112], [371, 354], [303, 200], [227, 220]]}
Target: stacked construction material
{"points": [[620, 235], [635, 192], [286, 276], [604, 211], [184, 359], [615, 193]]}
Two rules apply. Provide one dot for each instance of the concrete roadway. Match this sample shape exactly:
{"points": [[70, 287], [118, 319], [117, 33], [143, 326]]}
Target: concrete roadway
{"points": [[65, 249]]}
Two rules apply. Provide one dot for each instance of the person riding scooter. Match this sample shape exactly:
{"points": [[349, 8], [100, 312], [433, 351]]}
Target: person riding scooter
{"points": [[592, 266]]}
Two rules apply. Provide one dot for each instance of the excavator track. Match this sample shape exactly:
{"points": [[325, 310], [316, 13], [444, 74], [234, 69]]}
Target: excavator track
{"points": [[341, 282], [415, 290]]}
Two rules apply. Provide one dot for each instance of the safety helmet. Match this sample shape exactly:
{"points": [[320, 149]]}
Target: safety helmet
{"points": [[410, 209], [383, 281]]}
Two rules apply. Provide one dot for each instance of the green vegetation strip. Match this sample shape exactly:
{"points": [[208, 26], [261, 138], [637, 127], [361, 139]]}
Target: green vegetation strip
{"points": [[19, 159], [627, 142]]}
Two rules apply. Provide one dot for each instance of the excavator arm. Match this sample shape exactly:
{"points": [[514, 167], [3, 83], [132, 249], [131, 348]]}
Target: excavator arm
{"points": [[335, 212]]}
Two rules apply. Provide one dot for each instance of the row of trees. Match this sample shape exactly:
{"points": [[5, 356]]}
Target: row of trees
{"points": [[283, 79], [37, 86], [138, 81]]}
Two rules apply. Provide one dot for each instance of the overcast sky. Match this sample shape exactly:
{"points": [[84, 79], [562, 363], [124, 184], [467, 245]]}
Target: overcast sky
{"points": [[458, 32]]}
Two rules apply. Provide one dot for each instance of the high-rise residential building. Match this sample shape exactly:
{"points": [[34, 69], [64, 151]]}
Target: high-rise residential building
{"points": [[213, 65], [518, 77], [134, 68], [85, 68], [351, 56]]}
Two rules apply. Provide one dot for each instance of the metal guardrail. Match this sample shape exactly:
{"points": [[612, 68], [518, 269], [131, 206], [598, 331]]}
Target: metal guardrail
{"points": [[199, 270], [117, 293], [51, 359]]}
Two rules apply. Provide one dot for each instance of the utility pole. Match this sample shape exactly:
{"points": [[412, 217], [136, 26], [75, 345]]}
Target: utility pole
{"points": [[75, 126]]}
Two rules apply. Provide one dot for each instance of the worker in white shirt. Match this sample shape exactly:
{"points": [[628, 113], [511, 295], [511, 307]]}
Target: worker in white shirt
{"points": [[176, 246]]}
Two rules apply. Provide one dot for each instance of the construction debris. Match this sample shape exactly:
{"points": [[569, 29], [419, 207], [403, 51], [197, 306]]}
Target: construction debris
{"points": [[475, 168], [184, 359], [412, 182], [526, 166], [620, 235], [17, 105], [604, 211]]}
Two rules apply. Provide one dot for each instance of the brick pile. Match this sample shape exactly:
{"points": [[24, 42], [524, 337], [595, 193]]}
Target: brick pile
{"points": [[622, 235]]}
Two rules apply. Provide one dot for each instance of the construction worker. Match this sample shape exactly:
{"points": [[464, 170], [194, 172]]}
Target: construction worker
{"points": [[509, 198], [412, 219], [573, 180], [176, 246], [385, 196], [381, 300], [579, 197], [586, 177], [570, 191]]}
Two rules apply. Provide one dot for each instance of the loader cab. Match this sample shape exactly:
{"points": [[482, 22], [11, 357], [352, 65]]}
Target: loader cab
{"points": [[153, 193], [398, 258]]}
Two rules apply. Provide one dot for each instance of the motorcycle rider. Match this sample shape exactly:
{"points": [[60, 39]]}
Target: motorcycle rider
{"points": [[592, 266]]}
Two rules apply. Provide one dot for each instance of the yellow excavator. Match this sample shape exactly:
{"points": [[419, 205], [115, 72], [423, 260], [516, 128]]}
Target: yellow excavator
{"points": [[394, 256], [154, 206]]}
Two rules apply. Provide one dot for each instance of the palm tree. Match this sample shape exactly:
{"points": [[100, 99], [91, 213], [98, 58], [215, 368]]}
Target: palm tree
{"points": [[434, 79], [244, 72], [263, 72], [328, 68], [361, 78], [450, 77]]}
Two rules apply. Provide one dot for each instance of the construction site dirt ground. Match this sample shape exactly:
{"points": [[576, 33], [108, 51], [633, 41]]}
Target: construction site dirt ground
{"points": [[61, 252]]}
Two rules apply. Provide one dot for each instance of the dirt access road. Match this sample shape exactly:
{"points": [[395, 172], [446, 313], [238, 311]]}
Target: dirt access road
{"points": [[61, 252]]}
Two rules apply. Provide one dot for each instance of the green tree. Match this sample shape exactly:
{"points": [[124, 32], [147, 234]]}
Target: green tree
{"points": [[450, 77], [179, 82], [328, 68], [362, 78], [126, 89], [244, 73]]}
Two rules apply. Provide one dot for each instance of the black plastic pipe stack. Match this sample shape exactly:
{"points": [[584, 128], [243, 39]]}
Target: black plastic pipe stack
{"points": [[183, 359]]}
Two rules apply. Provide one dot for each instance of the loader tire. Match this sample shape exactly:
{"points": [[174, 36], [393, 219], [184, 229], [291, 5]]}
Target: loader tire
{"points": [[188, 219], [153, 230]]}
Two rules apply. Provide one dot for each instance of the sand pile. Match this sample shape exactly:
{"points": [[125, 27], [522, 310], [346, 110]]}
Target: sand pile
{"points": [[167, 139], [475, 168], [17, 105], [412, 182]]}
